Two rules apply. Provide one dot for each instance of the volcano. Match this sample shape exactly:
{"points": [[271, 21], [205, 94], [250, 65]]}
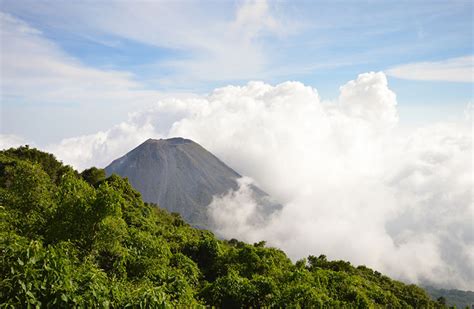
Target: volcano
{"points": [[181, 176]]}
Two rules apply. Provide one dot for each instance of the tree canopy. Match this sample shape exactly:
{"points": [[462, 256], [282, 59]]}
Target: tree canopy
{"points": [[84, 240]]}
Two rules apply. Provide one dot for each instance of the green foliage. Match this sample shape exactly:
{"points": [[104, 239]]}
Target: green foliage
{"points": [[93, 175], [27, 193], [83, 240], [47, 161]]}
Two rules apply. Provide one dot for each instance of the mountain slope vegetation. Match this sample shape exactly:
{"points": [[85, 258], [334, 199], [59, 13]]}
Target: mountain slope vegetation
{"points": [[70, 239], [457, 298]]}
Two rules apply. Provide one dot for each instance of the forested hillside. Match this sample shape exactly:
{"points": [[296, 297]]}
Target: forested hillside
{"points": [[458, 298], [70, 239]]}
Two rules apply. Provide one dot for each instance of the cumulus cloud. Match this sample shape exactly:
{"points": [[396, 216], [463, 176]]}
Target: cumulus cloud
{"points": [[101, 148], [354, 184], [452, 70]]}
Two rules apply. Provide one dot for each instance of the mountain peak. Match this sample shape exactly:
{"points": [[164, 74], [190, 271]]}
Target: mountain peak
{"points": [[169, 141], [179, 175]]}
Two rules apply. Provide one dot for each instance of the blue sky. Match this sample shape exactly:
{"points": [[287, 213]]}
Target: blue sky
{"points": [[71, 68]]}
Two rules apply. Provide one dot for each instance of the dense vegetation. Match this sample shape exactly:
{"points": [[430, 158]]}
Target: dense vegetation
{"points": [[458, 298], [70, 239]]}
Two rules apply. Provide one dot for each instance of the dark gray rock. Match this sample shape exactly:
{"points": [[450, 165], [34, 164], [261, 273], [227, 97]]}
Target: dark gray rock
{"points": [[181, 176]]}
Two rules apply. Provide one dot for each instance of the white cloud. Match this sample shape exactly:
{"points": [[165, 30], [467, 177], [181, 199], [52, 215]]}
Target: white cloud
{"points": [[101, 148], [253, 17], [234, 51], [369, 98], [33, 69], [237, 212], [47, 94], [459, 69], [354, 185], [213, 42], [11, 140]]}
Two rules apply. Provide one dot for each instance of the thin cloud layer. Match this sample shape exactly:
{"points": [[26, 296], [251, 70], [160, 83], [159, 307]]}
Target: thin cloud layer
{"points": [[35, 69], [45, 92], [354, 184], [215, 42], [459, 69]]}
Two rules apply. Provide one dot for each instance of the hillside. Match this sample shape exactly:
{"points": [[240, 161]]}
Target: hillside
{"points": [[70, 239], [181, 176], [458, 298]]}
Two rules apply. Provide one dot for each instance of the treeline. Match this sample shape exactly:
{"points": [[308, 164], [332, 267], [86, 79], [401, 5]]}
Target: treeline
{"points": [[70, 239]]}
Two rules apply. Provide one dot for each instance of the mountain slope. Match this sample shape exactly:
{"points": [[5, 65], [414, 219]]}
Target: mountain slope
{"points": [[180, 176], [458, 298], [72, 240]]}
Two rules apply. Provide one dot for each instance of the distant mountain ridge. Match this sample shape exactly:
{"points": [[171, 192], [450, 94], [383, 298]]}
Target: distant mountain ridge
{"points": [[181, 176], [460, 299]]}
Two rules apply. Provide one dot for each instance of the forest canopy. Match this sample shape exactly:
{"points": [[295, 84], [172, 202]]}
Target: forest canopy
{"points": [[70, 239]]}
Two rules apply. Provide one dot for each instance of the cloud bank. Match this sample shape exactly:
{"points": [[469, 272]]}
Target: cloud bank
{"points": [[354, 184]]}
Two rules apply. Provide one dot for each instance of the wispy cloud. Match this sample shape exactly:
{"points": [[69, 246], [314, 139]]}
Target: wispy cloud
{"points": [[231, 41], [48, 89], [46, 92], [459, 69], [35, 69], [213, 42], [230, 49]]}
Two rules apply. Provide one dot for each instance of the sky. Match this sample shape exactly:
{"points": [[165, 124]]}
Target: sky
{"points": [[357, 116], [64, 65]]}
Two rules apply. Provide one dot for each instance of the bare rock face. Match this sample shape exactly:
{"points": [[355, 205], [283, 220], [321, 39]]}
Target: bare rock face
{"points": [[180, 176]]}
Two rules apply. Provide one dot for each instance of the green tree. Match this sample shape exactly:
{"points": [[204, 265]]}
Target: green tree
{"points": [[93, 175]]}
